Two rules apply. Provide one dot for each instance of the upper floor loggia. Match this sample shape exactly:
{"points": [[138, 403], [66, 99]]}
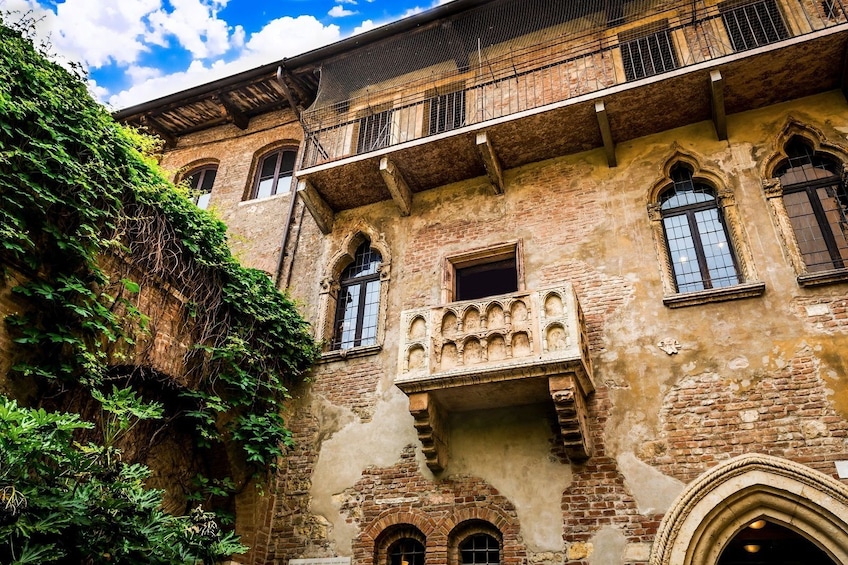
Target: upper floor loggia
{"points": [[488, 86]]}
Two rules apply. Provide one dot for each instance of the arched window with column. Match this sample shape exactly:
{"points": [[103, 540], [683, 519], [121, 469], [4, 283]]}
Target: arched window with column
{"points": [[358, 304], [703, 253], [816, 204], [698, 244]]}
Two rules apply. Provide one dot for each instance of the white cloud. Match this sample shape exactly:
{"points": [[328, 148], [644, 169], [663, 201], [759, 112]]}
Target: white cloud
{"points": [[340, 12], [195, 25], [366, 25], [283, 37], [349, 1]]}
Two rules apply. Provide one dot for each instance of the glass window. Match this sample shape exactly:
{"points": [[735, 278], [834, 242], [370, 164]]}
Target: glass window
{"points": [[698, 245], [480, 549], [648, 55], [200, 182], [816, 202], [358, 305], [275, 174], [406, 551], [753, 24]]}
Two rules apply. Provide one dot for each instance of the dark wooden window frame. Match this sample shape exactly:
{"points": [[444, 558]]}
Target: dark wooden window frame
{"points": [[276, 188], [196, 178], [361, 283]]}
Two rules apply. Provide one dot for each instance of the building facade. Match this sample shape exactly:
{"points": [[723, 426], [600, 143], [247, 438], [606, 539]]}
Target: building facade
{"points": [[580, 271]]}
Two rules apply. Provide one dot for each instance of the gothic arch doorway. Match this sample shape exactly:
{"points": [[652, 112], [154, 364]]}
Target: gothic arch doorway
{"points": [[712, 516], [766, 542]]}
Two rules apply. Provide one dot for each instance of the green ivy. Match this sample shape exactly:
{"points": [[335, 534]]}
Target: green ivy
{"points": [[77, 189]]}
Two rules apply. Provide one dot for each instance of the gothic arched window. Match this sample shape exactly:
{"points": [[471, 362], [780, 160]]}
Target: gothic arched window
{"points": [[358, 303]]}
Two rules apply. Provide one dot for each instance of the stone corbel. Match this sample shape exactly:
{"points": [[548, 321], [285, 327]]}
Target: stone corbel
{"points": [[606, 132], [398, 188], [317, 206], [570, 405], [430, 426], [491, 162], [772, 188], [719, 112]]}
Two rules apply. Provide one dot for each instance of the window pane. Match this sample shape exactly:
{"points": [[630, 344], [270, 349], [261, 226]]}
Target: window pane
{"points": [[719, 260], [203, 200], [370, 313], [406, 552], [346, 323], [684, 258], [265, 188], [834, 201], [480, 549], [269, 166], [208, 179]]}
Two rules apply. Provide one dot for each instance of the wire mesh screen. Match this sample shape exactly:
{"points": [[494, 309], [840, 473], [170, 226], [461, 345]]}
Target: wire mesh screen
{"points": [[507, 56]]}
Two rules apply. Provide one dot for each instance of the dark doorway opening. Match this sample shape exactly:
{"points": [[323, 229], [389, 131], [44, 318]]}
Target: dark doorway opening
{"points": [[764, 542]]}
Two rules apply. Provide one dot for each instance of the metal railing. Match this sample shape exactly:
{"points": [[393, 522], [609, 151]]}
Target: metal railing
{"points": [[556, 71]]}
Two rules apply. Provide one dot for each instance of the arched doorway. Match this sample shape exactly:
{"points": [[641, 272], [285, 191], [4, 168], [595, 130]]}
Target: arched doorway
{"points": [[765, 542], [713, 515]]}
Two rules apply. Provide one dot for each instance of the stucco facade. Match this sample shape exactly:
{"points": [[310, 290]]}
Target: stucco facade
{"points": [[683, 404]]}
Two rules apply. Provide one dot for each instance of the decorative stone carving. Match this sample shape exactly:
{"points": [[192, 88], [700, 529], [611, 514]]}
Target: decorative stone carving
{"points": [[669, 345], [497, 351]]}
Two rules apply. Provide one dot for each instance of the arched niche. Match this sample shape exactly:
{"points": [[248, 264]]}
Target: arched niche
{"points": [[729, 497]]}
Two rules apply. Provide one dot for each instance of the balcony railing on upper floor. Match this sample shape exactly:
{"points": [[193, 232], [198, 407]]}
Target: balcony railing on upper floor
{"points": [[530, 78]]}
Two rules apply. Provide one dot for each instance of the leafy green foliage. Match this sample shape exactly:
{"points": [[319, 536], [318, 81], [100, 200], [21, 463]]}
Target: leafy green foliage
{"points": [[80, 194], [61, 502]]}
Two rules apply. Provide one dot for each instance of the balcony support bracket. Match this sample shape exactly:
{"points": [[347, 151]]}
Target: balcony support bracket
{"points": [[317, 206], [240, 119], [719, 111], [606, 132], [397, 186], [570, 404], [491, 162], [430, 425]]}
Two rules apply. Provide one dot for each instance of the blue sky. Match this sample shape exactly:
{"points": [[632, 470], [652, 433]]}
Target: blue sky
{"points": [[138, 50]]}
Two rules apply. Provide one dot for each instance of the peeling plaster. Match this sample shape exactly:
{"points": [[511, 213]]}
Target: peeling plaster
{"points": [[353, 448], [608, 547], [654, 492], [511, 450]]}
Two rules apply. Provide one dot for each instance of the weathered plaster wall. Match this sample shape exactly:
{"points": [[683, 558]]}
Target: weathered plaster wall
{"points": [[762, 374]]}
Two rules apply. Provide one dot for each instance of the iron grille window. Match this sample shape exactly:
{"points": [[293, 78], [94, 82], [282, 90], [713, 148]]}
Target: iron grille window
{"points": [[447, 112], [480, 549], [833, 9], [358, 304], [200, 182], [406, 551], [816, 202], [648, 55], [698, 245], [275, 174], [755, 24], [375, 132]]}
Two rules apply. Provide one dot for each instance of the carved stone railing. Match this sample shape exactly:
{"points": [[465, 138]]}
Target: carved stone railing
{"points": [[509, 350]]}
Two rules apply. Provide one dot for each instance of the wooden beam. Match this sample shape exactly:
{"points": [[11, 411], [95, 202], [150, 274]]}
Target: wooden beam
{"points": [[156, 127], [606, 132], [717, 93], [287, 92], [491, 162], [317, 206], [397, 186], [240, 119]]}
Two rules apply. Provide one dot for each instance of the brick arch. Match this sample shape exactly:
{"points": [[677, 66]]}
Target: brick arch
{"points": [[184, 170], [499, 519], [489, 519], [720, 503], [376, 537]]}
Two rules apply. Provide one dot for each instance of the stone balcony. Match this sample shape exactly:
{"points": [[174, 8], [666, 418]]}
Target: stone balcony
{"points": [[528, 347]]}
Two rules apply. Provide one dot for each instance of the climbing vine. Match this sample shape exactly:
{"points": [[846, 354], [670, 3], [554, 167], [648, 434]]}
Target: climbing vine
{"points": [[88, 222]]}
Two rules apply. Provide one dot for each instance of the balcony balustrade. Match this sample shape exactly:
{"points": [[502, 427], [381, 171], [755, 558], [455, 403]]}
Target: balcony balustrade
{"points": [[530, 78], [526, 347]]}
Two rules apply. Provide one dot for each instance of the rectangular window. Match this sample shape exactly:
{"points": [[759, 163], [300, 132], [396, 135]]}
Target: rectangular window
{"points": [[648, 54], [375, 132], [487, 272], [822, 250], [447, 112], [754, 24]]}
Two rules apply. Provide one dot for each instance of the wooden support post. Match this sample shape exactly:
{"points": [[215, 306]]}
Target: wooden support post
{"points": [[717, 94], [491, 162], [606, 132], [397, 186], [317, 206]]}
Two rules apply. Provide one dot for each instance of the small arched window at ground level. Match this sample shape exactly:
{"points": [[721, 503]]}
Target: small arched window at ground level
{"points": [[200, 182], [696, 236], [480, 549], [816, 204], [406, 551], [358, 304], [274, 174]]}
